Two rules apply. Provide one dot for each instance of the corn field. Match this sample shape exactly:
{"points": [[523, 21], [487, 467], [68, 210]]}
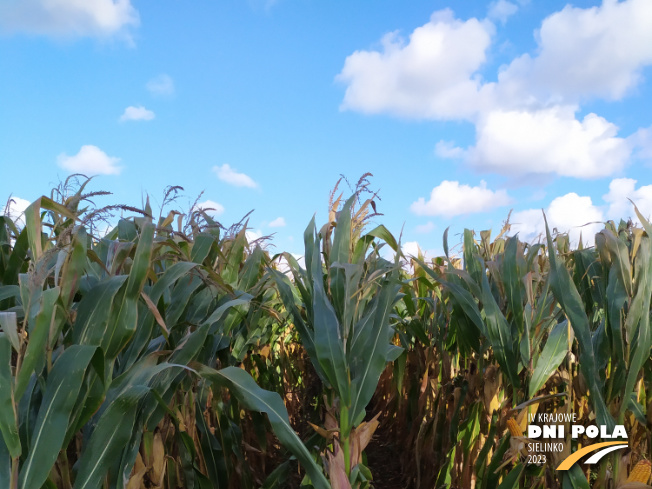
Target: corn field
{"points": [[173, 353]]}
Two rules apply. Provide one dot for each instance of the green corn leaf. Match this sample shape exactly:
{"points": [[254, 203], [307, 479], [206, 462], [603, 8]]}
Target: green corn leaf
{"points": [[639, 332], [500, 335], [8, 419], [17, 259], [472, 262], [5, 466], [491, 477], [370, 351], [342, 240], [462, 296], [306, 334], [616, 297], [511, 480], [146, 321], [512, 282], [553, 354], [61, 391], [279, 477], [619, 259], [310, 244], [569, 299], [575, 478], [33, 222], [214, 455], [253, 397], [9, 325], [124, 316], [381, 232], [327, 336], [94, 310], [234, 258], [338, 259], [201, 247], [74, 267], [35, 352], [111, 435], [252, 269]]}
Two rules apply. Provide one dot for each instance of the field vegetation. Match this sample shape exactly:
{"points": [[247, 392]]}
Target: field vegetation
{"points": [[172, 352]]}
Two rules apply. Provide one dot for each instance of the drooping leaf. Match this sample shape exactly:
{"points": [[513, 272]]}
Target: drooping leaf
{"points": [[253, 397]]}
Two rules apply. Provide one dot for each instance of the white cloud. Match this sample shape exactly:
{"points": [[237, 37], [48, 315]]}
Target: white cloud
{"points": [[569, 213], [501, 10], [282, 265], [425, 228], [598, 51], [211, 208], [448, 150], [429, 76], [279, 222], [548, 141], [622, 189], [253, 234], [526, 121], [139, 113], [411, 248], [414, 249], [90, 160], [62, 18], [452, 199], [15, 209], [641, 141], [232, 177], [161, 85]]}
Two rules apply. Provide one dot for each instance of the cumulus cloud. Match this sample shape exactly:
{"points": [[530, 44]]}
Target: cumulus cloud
{"points": [[622, 189], [161, 85], [501, 10], [65, 18], [452, 199], [526, 120], [232, 177], [139, 113], [597, 51], [569, 213], [211, 208], [279, 222], [427, 76], [15, 209], [548, 141], [90, 160]]}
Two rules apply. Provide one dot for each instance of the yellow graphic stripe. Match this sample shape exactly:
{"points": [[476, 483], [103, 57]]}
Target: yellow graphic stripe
{"points": [[571, 459]]}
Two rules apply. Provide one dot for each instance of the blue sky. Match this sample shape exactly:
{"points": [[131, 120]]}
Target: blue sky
{"points": [[461, 110]]}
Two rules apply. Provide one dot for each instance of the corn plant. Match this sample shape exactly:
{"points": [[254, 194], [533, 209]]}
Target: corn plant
{"points": [[96, 340], [170, 353], [343, 315]]}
